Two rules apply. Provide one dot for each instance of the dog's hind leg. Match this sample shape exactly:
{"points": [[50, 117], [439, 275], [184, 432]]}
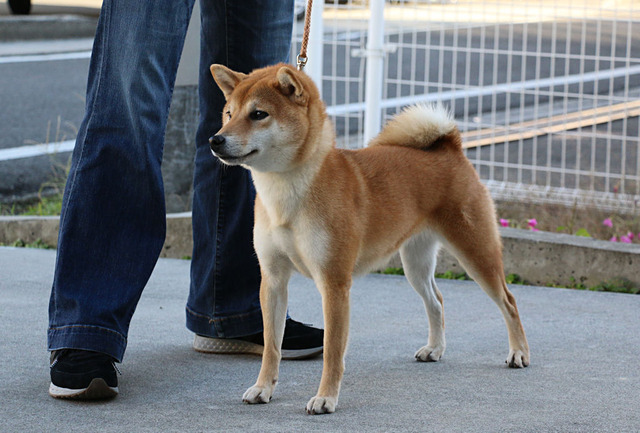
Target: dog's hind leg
{"points": [[479, 249], [419, 256]]}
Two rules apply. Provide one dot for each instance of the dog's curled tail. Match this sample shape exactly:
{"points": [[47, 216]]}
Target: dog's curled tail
{"points": [[420, 126]]}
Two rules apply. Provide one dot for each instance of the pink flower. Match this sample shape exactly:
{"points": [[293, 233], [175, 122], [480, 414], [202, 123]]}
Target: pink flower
{"points": [[532, 223], [504, 222], [630, 235], [614, 239], [625, 239], [607, 222]]}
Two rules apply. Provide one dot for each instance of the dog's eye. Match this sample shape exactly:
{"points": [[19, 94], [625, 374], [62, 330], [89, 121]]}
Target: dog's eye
{"points": [[228, 114], [258, 115]]}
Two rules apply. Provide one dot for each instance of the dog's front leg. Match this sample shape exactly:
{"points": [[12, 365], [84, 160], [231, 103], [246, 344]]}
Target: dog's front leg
{"points": [[335, 306], [273, 300]]}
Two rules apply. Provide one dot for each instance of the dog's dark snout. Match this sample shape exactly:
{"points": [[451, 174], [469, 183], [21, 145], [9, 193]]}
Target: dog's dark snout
{"points": [[216, 141]]}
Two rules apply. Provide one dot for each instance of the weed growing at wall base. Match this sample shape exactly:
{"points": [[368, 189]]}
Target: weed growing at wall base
{"points": [[38, 243], [616, 285]]}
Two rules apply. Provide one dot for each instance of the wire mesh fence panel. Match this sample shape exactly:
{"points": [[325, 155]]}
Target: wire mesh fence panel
{"points": [[546, 93]]}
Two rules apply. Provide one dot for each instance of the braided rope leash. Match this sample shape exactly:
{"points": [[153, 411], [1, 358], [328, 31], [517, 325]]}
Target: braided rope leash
{"points": [[302, 57]]}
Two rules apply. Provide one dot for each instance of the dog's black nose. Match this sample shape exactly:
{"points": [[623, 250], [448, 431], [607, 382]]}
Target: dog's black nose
{"points": [[216, 141]]}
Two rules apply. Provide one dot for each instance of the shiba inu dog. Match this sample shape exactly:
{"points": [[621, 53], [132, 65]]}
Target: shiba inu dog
{"points": [[331, 214]]}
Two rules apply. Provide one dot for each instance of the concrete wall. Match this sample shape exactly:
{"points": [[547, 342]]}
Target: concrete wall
{"points": [[544, 258], [540, 258], [179, 148]]}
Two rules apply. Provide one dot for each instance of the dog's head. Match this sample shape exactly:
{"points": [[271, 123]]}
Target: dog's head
{"points": [[266, 120]]}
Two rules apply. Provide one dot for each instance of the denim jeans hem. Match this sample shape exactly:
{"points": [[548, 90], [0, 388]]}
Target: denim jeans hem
{"points": [[88, 337], [225, 327]]}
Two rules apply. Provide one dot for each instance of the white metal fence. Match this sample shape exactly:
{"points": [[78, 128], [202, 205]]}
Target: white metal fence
{"points": [[546, 93]]}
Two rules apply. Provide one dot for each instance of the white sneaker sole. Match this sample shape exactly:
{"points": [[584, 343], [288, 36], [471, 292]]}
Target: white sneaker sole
{"points": [[230, 346], [97, 389]]}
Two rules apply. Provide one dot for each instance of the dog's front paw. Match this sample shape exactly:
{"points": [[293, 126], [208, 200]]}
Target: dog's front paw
{"points": [[517, 359], [429, 353], [320, 405], [257, 394]]}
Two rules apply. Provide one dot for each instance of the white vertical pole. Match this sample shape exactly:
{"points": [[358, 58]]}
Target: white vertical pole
{"points": [[375, 62], [315, 50]]}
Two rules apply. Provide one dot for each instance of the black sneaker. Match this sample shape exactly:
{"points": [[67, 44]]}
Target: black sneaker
{"points": [[82, 375], [300, 341]]}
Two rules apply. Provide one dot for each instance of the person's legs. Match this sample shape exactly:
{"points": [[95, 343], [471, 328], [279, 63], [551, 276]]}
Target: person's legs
{"points": [[112, 225], [225, 277]]}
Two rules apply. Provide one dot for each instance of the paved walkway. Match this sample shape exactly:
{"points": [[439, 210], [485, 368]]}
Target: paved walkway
{"points": [[584, 374]]}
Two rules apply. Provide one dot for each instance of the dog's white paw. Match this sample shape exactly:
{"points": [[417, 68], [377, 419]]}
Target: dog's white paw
{"points": [[319, 405], [517, 359], [257, 394], [429, 353]]}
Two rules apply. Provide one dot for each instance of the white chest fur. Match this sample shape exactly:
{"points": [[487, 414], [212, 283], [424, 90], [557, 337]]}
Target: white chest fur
{"points": [[303, 244]]}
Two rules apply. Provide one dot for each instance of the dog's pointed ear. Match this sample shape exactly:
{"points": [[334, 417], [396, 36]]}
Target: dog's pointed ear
{"points": [[226, 79], [291, 86]]}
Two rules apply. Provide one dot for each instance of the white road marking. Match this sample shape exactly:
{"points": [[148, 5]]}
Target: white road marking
{"points": [[45, 57], [36, 150]]}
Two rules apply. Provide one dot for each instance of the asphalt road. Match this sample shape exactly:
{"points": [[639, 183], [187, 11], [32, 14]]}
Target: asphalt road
{"points": [[45, 100]]}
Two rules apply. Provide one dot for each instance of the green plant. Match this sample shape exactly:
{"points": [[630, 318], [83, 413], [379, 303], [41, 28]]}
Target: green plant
{"points": [[392, 271], [51, 192], [7, 208], [575, 285], [45, 206], [582, 232], [617, 285], [450, 275], [38, 243], [514, 279], [49, 201]]}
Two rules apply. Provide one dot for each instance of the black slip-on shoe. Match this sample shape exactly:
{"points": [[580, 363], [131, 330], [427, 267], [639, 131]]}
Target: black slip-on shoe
{"points": [[300, 341], [82, 375]]}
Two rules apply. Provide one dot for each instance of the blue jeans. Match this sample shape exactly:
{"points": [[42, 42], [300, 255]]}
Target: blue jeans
{"points": [[112, 225]]}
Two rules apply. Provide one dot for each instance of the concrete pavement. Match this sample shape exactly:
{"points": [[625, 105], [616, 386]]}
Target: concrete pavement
{"points": [[584, 374]]}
